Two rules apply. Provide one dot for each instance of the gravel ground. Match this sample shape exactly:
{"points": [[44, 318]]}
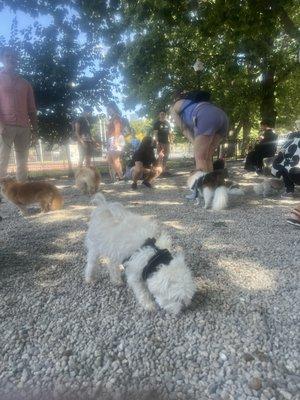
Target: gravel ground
{"points": [[63, 339]]}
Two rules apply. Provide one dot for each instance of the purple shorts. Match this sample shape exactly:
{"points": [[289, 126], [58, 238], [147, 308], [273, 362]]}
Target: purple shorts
{"points": [[205, 119]]}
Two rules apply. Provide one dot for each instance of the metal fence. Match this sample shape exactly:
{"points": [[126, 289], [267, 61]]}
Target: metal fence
{"points": [[43, 158]]}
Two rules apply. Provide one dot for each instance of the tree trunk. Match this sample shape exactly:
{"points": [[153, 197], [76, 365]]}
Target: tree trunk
{"points": [[267, 107], [70, 167], [246, 124]]}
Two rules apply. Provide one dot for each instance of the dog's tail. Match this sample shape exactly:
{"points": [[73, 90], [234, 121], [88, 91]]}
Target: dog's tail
{"points": [[57, 201], [220, 200], [98, 200]]}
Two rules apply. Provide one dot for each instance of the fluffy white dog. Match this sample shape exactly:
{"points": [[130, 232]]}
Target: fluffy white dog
{"points": [[135, 242]]}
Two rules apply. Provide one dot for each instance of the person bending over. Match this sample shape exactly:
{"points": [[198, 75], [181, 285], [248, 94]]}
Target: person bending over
{"points": [[204, 124], [146, 166]]}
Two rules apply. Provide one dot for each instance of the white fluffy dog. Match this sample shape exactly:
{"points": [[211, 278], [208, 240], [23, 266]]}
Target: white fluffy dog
{"points": [[135, 242]]}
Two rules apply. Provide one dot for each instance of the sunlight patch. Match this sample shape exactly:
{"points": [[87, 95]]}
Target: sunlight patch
{"points": [[249, 275]]}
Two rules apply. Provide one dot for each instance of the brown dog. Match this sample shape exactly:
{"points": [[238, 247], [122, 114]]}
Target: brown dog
{"points": [[87, 179], [24, 194]]}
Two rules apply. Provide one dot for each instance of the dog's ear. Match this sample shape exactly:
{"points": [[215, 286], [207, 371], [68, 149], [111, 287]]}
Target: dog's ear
{"points": [[164, 241], [118, 211]]}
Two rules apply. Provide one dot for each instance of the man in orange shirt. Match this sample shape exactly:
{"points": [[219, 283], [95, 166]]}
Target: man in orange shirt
{"points": [[18, 119]]}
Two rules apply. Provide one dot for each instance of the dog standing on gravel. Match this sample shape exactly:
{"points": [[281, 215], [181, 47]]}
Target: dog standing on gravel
{"points": [[87, 179], [135, 242], [24, 194], [210, 185]]}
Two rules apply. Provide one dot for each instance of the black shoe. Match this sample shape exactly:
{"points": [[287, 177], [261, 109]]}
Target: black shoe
{"points": [[134, 186], [147, 184]]}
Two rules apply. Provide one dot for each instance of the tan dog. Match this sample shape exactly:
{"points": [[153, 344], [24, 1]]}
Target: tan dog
{"points": [[87, 179], [24, 194]]}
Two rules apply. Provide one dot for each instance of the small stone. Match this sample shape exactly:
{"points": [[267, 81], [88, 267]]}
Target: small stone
{"points": [[212, 388], [286, 395], [255, 384], [248, 357], [67, 353], [261, 356]]}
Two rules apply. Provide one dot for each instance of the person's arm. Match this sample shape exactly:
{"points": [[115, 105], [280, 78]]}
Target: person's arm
{"points": [[179, 123]]}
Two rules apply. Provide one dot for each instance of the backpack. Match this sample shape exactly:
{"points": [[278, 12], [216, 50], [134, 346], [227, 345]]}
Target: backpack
{"points": [[195, 96]]}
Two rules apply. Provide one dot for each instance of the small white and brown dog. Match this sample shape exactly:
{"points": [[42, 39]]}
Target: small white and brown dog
{"points": [[210, 186], [136, 243], [87, 179], [213, 187]]}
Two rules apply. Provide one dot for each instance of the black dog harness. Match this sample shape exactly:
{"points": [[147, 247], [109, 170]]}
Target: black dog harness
{"points": [[161, 256]]}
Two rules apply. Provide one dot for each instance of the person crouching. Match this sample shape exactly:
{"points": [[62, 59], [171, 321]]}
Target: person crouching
{"points": [[146, 166]]}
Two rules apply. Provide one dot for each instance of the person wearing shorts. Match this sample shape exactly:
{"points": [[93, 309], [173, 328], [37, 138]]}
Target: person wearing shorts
{"points": [[84, 137], [204, 124], [162, 130]]}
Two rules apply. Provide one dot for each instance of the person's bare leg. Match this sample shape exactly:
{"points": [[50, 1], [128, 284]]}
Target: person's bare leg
{"points": [[117, 166], [154, 173], [137, 171], [202, 145], [213, 146], [295, 213]]}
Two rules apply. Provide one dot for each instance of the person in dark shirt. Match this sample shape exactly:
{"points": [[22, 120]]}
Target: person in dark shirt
{"points": [[84, 137], [264, 149], [146, 166], [162, 130]]}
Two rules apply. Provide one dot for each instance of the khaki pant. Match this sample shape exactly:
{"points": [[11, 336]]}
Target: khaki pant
{"points": [[20, 137]]}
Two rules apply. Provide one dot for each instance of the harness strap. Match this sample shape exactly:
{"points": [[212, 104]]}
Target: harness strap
{"points": [[161, 256]]}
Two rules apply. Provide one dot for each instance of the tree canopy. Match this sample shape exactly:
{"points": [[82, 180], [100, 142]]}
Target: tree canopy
{"points": [[249, 49]]}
